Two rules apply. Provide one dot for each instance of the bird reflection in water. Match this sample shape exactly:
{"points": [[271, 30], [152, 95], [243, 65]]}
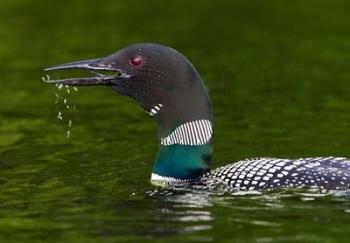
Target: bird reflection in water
{"points": [[182, 212]]}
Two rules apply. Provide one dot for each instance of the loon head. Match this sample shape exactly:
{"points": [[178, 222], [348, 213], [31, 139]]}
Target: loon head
{"points": [[166, 85]]}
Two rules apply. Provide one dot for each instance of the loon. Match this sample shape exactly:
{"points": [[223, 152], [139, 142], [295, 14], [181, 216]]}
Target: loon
{"points": [[169, 88]]}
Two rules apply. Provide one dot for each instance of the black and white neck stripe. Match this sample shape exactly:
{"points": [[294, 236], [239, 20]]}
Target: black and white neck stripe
{"points": [[196, 132]]}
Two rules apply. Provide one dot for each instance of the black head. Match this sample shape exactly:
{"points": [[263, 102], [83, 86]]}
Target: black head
{"points": [[151, 74], [168, 87]]}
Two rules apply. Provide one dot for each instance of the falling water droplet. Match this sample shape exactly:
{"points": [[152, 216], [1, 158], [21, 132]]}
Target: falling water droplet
{"points": [[59, 115], [67, 89], [63, 99], [57, 98]]}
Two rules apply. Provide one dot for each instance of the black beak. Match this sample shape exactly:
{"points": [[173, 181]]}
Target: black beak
{"points": [[94, 66]]}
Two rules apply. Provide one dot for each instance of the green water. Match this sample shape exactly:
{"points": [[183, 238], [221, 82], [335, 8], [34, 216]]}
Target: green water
{"points": [[278, 75]]}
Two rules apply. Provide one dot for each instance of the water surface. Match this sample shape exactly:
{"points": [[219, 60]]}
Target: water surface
{"points": [[278, 75]]}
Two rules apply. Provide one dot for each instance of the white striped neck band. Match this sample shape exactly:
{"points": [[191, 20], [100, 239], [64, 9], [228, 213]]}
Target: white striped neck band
{"points": [[198, 132]]}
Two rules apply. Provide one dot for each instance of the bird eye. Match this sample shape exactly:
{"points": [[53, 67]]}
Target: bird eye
{"points": [[136, 61]]}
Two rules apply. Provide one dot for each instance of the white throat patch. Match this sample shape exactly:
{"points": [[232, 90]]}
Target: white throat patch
{"points": [[155, 109], [196, 132]]}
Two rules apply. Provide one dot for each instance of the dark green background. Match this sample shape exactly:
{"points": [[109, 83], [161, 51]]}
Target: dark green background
{"points": [[278, 75]]}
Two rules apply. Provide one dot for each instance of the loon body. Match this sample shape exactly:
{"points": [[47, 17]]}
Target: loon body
{"points": [[268, 173], [167, 86]]}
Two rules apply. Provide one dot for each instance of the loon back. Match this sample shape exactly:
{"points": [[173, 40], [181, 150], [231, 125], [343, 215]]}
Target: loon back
{"points": [[267, 173], [168, 87]]}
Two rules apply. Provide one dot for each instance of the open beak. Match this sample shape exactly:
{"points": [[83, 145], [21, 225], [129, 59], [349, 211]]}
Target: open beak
{"points": [[94, 66]]}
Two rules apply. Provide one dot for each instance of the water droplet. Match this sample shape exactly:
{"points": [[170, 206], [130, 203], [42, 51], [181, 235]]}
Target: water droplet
{"points": [[67, 89], [59, 115], [63, 99], [57, 98]]}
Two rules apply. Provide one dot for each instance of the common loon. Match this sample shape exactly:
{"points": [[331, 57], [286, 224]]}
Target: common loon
{"points": [[167, 86]]}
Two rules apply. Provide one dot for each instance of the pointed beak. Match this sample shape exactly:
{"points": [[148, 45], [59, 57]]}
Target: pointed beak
{"points": [[95, 66]]}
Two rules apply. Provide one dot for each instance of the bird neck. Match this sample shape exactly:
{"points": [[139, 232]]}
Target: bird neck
{"points": [[185, 130]]}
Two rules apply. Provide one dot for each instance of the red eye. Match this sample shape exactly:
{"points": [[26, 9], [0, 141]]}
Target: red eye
{"points": [[136, 61]]}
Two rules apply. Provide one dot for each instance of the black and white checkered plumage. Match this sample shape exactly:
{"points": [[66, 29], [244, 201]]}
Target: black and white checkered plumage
{"points": [[268, 173]]}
